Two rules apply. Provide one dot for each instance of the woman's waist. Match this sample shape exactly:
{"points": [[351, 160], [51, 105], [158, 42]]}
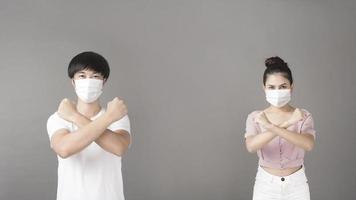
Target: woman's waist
{"points": [[281, 172]]}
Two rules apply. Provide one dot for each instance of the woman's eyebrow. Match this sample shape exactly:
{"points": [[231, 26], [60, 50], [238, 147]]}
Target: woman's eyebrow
{"points": [[283, 84]]}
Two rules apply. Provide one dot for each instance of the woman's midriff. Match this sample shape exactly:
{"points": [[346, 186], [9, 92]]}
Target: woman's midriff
{"points": [[281, 172]]}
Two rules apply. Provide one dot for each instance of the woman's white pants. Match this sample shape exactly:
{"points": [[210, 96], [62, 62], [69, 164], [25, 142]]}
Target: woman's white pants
{"points": [[292, 187]]}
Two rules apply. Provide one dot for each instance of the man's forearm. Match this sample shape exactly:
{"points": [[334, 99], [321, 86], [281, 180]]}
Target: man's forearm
{"points": [[116, 143], [81, 138]]}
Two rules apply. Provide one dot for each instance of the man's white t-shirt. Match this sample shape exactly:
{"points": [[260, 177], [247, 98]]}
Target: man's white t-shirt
{"points": [[93, 173]]}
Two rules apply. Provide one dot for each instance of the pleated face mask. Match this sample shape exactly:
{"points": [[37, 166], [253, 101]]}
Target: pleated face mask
{"points": [[278, 98], [88, 90]]}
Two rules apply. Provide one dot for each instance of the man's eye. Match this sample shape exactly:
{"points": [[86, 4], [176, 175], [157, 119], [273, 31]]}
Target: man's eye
{"points": [[98, 76]]}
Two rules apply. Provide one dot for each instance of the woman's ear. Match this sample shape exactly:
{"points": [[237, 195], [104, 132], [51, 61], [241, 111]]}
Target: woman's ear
{"points": [[72, 80], [104, 81], [292, 88]]}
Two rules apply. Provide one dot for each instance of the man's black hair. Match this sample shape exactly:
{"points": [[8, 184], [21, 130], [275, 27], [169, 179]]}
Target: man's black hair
{"points": [[89, 61]]}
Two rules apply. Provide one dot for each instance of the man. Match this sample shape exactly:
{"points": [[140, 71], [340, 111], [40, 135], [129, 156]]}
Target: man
{"points": [[88, 139]]}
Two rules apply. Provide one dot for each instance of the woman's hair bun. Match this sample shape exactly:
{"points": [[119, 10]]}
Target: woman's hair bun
{"points": [[275, 62]]}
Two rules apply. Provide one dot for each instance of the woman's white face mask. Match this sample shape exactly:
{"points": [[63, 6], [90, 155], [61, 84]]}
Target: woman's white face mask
{"points": [[88, 90], [278, 98]]}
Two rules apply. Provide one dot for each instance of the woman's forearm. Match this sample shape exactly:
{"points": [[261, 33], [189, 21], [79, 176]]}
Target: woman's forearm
{"points": [[256, 142], [304, 141]]}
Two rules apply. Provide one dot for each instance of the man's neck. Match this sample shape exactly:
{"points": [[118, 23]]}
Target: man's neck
{"points": [[89, 110]]}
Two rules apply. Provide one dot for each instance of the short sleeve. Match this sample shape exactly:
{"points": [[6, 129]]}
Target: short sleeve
{"points": [[251, 128], [123, 124], [308, 126], [55, 123]]}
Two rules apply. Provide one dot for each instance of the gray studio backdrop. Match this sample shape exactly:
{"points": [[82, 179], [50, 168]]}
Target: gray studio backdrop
{"points": [[190, 72]]}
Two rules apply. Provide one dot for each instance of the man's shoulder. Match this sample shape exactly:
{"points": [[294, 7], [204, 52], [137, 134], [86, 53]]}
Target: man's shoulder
{"points": [[55, 118]]}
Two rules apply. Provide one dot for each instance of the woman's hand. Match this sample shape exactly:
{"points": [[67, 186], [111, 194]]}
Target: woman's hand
{"points": [[261, 118]]}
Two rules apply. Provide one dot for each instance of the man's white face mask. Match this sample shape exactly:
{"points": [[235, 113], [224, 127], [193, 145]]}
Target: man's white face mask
{"points": [[88, 90], [278, 98]]}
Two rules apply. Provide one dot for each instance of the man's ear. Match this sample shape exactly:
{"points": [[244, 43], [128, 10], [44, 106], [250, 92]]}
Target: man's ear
{"points": [[104, 81], [72, 80]]}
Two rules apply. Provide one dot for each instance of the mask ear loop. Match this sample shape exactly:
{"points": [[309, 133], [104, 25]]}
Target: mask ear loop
{"points": [[104, 82], [73, 82]]}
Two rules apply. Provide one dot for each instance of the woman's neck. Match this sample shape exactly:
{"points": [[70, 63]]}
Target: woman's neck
{"points": [[286, 108]]}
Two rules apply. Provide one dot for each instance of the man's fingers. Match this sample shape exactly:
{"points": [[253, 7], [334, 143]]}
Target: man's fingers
{"points": [[118, 99]]}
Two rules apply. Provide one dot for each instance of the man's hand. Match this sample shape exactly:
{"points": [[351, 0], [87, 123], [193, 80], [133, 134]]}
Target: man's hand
{"points": [[116, 109], [67, 110]]}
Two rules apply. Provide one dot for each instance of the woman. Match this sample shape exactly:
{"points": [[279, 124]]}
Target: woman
{"points": [[280, 134]]}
